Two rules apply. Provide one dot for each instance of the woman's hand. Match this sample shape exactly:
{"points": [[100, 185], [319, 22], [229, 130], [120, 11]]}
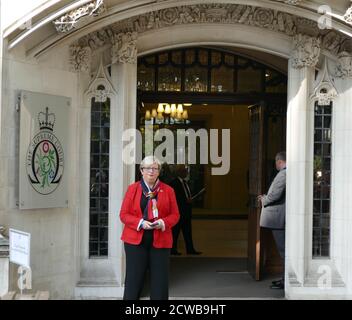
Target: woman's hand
{"points": [[147, 225], [158, 224]]}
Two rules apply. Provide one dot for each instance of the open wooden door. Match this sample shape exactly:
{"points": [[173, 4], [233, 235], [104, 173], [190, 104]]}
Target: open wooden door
{"points": [[256, 165], [267, 137]]}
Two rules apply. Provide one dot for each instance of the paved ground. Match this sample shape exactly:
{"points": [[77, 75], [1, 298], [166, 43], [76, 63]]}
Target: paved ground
{"points": [[216, 278]]}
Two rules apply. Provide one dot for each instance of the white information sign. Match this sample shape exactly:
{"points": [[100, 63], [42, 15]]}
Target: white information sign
{"points": [[20, 247]]}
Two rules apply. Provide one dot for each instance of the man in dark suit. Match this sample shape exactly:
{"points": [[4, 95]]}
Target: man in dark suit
{"points": [[273, 210], [184, 202]]}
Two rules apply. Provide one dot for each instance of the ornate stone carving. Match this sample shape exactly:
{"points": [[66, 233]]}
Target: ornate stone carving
{"points": [[263, 18], [80, 58], [306, 51], [293, 2], [325, 92], [71, 20], [101, 87], [344, 67], [216, 13], [348, 15], [124, 49], [325, 97]]}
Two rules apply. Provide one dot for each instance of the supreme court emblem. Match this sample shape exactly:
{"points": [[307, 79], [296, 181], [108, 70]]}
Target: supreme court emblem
{"points": [[45, 157]]}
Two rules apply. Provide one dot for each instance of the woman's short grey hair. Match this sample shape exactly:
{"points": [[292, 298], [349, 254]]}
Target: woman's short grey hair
{"points": [[150, 160]]}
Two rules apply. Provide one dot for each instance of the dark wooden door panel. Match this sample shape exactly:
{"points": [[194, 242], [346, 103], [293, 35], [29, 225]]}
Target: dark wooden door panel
{"points": [[256, 118], [267, 137]]}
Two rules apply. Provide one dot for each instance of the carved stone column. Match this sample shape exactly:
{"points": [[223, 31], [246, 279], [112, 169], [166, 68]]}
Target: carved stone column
{"points": [[305, 55], [341, 220], [124, 49], [123, 115], [124, 77]]}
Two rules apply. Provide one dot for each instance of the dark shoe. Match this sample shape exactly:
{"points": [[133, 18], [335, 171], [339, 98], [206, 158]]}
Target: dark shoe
{"points": [[175, 253], [277, 282], [194, 252], [278, 285]]}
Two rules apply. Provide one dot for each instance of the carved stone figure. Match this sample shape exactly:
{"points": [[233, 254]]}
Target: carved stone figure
{"points": [[344, 67], [306, 51], [124, 49]]}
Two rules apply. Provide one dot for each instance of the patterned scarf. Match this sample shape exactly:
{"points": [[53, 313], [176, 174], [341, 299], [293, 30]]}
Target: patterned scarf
{"points": [[151, 212]]}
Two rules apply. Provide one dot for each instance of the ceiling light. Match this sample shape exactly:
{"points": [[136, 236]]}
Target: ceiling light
{"points": [[161, 108]]}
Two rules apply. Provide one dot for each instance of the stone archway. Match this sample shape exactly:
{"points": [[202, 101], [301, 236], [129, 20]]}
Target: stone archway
{"points": [[125, 40]]}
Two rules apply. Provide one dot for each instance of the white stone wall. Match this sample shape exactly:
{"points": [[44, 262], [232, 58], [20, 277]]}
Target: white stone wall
{"points": [[53, 232]]}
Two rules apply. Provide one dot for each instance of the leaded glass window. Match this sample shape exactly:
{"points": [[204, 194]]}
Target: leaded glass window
{"points": [[99, 179], [202, 70], [169, 79], [275, 82], [250, 80], [322, 181], [222, 79], [146, 78], [196, 79]]}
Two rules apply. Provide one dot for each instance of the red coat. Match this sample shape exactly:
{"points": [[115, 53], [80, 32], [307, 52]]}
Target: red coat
{"points": [[131, 215]]}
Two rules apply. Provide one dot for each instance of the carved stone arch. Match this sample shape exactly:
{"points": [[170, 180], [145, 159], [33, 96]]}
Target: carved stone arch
{"points": [[101, 87], [236, 15], [325, 91]]}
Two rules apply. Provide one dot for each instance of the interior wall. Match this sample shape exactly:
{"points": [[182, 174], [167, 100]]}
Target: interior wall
{"points": [[229, 193], [226, 194]]}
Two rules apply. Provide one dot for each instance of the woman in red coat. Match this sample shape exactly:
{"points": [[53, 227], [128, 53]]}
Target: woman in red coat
{"points": [[149, 211]]}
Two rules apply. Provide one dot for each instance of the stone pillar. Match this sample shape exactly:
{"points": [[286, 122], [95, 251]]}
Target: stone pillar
{"points": [[305, 55], [80, 63], [341, 219], [123, 116], [98, 278], [4, 265]]}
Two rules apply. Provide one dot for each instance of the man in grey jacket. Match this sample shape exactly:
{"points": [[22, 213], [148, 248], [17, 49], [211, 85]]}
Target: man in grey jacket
{"points": [[273, 210]]}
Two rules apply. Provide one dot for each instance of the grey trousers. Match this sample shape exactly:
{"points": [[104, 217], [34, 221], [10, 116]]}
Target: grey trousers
{"points": [[279, 236]]}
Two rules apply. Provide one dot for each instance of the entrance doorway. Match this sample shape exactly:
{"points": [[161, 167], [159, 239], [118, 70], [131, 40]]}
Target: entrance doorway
{"points": [[219, 89]]}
